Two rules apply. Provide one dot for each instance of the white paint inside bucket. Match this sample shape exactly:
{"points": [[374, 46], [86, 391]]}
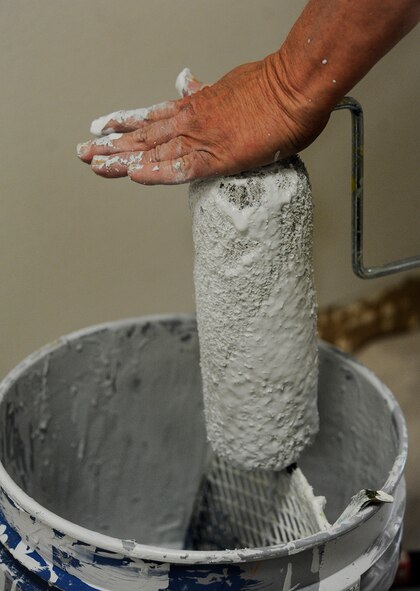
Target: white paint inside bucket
{"points": [[92, 443]]}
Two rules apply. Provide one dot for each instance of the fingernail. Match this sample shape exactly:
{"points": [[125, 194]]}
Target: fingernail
{"points": [[82, 148], [99, 162]]}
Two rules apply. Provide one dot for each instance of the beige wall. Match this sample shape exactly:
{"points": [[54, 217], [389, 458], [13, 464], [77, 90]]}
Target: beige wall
{"points": [[77, 250]]}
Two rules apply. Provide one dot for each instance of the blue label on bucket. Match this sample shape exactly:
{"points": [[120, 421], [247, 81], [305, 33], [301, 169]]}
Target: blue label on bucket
{"points": [[219, 576], [14, 577], [41, 575]]}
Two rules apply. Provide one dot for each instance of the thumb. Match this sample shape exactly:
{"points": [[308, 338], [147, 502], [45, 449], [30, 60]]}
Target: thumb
{"points": [[187, 84]]}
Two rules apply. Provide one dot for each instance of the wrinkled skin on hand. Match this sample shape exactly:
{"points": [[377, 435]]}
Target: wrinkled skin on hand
{"points": [[250, 117], [259, 112]]}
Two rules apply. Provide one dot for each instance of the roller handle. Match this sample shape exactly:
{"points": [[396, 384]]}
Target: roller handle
{"points": [[357, 201]]}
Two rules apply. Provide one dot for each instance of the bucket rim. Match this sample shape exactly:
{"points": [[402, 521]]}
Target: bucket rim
{"points": [[177, 556]]}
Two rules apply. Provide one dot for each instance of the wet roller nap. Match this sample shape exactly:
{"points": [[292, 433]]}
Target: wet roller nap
{"points": [[256, 314]]}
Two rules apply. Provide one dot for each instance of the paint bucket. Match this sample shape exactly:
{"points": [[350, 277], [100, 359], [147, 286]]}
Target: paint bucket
{"points": [[103, 444]]}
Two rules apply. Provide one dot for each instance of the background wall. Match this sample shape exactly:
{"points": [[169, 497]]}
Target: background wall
{"points": [[76, 249]]}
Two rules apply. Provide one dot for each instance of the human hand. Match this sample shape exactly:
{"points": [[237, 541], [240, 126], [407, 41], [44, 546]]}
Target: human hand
{"points": [[249, 118]]}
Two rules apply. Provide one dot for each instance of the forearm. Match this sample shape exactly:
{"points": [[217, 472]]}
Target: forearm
{"points": [[334, 43]]}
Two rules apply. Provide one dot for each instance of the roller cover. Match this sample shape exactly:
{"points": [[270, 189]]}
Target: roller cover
{"points": [[256, 313]]}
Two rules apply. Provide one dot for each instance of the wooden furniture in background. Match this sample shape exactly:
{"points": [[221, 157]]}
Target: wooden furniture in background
{"points": [[396, 309]]}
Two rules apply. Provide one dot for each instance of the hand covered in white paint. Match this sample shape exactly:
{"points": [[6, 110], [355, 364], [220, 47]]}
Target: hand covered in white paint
{"points": [[248, 118], [259, 112]]}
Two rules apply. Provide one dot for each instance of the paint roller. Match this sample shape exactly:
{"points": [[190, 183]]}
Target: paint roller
{"points": [[256, 315]]}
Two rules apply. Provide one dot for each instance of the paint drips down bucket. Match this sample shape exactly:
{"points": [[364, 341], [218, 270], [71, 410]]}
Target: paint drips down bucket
{"points": [[103, 444]]}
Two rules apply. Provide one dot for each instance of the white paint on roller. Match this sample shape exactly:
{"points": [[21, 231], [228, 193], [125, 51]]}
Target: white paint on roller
{"points": [[256, 313]]}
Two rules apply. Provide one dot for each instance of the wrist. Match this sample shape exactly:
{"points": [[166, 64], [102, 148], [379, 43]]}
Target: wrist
{"points": [[305, 116], [308, 79]]}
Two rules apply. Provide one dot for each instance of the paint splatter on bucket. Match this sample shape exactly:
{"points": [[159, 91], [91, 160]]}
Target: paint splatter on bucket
{"points": [[102, 445]]}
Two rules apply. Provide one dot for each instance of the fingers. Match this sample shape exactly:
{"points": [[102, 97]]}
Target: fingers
{"points": [[139, 140], [193, 166], [144, 143], [187, 84], [129, 120], [115, 166]]}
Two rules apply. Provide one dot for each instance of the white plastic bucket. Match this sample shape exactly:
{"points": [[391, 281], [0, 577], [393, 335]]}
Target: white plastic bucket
{"points": [[102, 442]]}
